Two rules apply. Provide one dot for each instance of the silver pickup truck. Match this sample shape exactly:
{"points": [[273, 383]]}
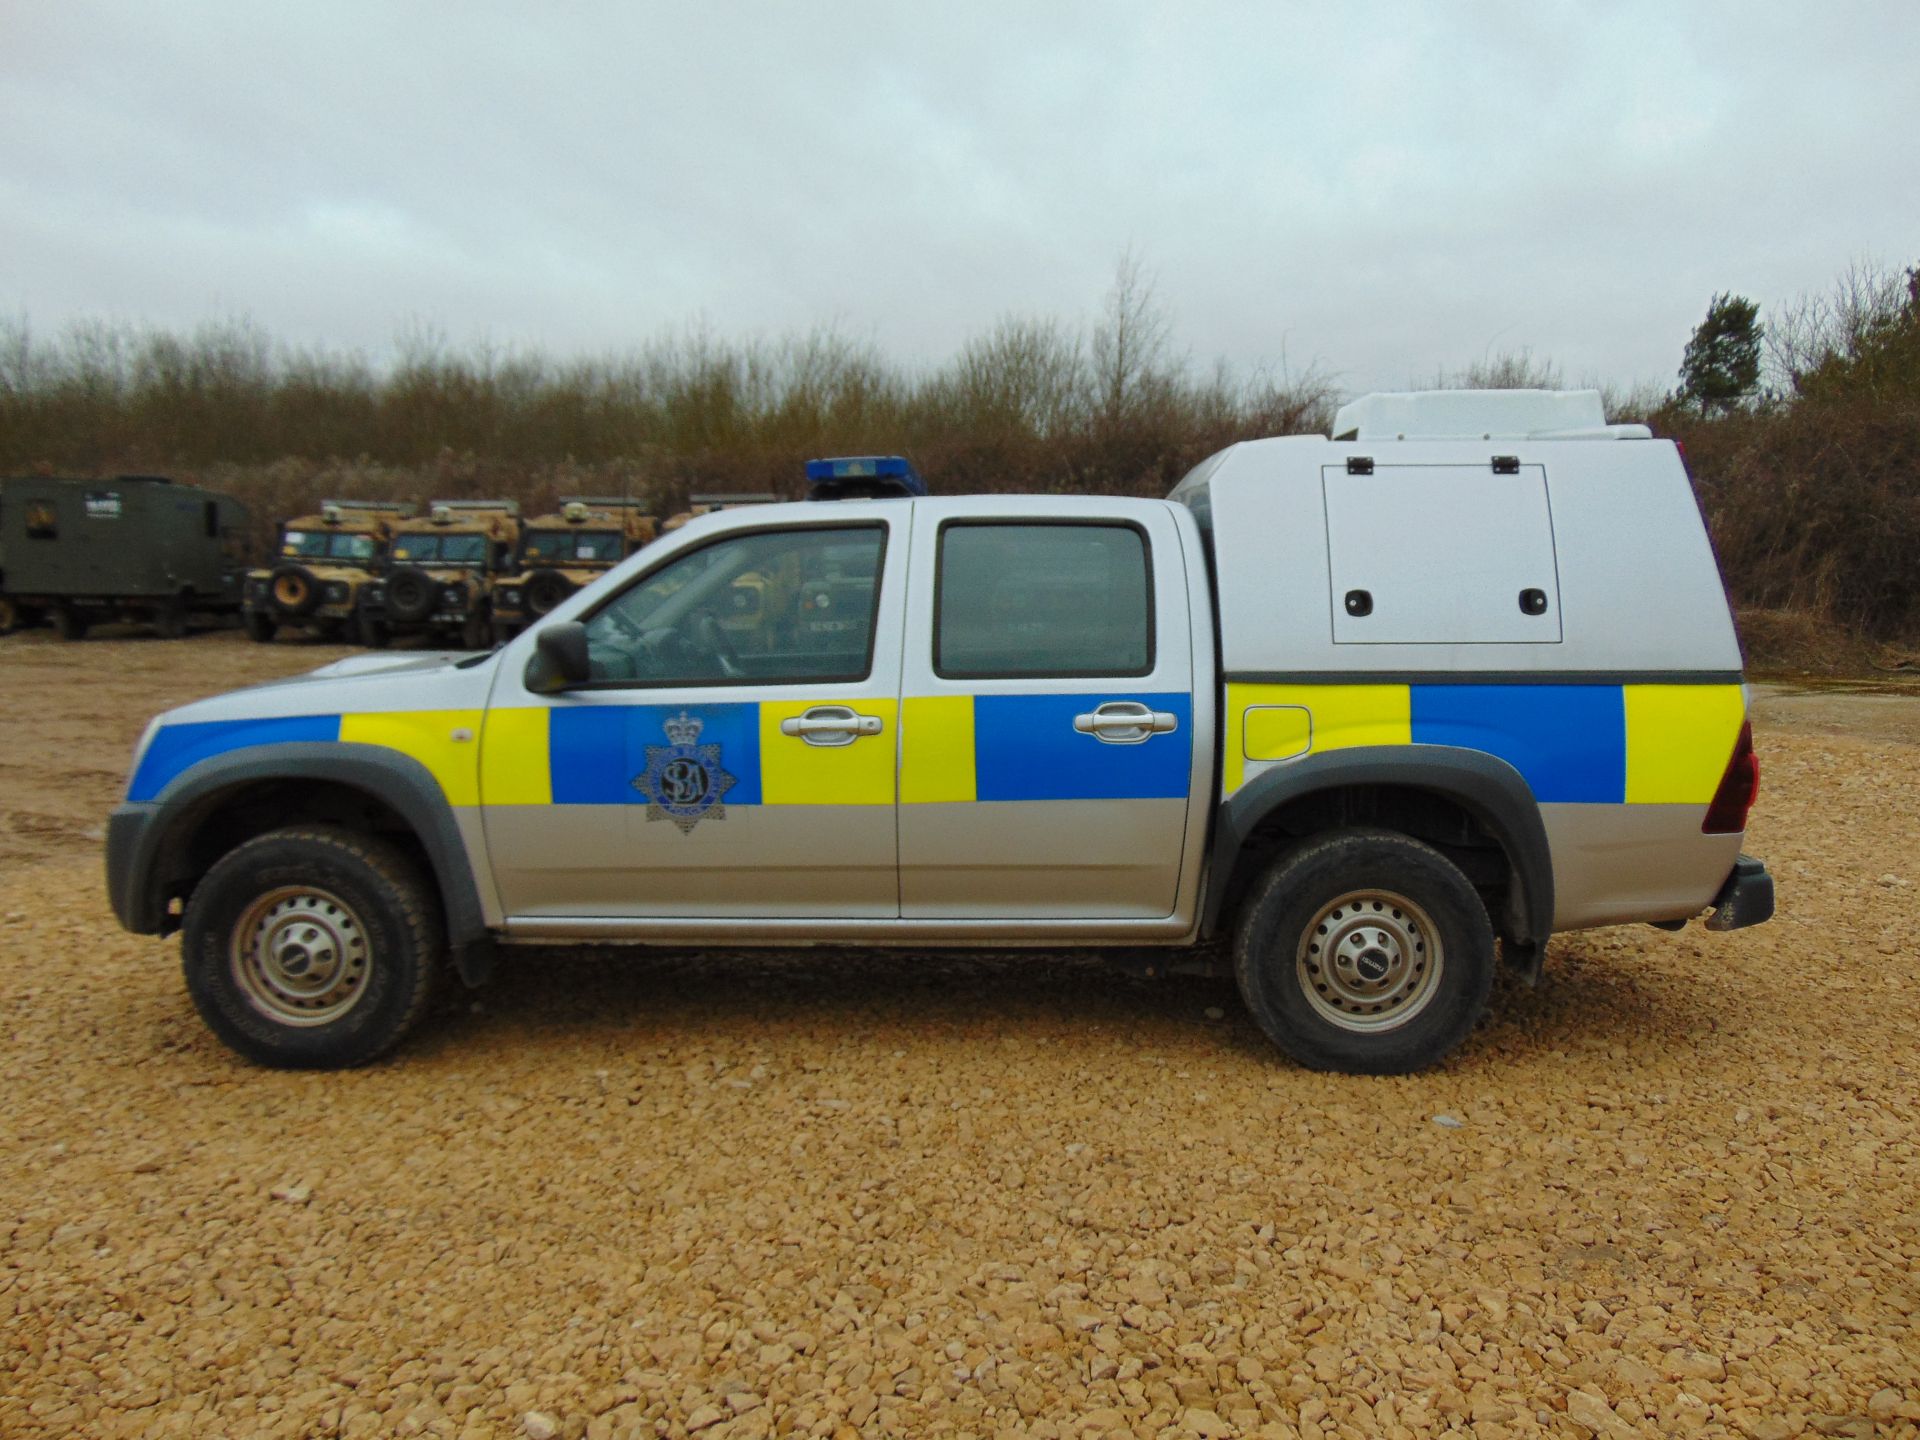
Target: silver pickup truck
{"points": [[1361, 707]]}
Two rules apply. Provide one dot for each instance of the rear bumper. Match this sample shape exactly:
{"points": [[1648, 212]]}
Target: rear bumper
{"points": [[1746, 899]]}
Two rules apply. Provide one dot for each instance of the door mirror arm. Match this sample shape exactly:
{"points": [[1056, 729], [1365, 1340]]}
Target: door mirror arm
{"points": [[559, 658]]}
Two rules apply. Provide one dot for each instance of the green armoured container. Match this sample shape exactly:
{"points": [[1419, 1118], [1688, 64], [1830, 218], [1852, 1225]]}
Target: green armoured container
{"points": [[137, 548]]}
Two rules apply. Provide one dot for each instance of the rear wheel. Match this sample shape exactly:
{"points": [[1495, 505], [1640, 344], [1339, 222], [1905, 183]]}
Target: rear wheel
{"points": [[170, 619], [69, 624], [1365, 951], [476, 633], [261, 627], [312, 948], [371, 630]]}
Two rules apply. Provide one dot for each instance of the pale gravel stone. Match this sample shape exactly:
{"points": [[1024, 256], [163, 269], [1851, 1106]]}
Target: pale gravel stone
{"points": [[1015, 1215]]}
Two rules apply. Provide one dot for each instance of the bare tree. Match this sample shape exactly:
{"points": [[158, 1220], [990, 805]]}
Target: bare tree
{"points": [[1129, 349]]}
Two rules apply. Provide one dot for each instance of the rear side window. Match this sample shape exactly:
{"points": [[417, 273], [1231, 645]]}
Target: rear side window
{"points": [[1053, 600]]}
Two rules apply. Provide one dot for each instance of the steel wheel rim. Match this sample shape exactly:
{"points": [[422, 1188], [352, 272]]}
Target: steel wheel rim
{"points": [[1370, 960], [300, 956]]}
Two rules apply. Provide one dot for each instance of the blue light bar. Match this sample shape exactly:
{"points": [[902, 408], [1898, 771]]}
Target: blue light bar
{"points": [[894, 472]]}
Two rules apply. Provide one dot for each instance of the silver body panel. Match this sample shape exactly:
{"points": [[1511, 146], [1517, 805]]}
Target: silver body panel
{"points": [[1618, 863]]}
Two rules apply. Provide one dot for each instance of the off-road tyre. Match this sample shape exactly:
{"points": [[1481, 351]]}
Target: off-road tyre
{"points": [[546, 592], [412, 595], [11, 616], [261, 627], [1349, 889], [476, 633], [366, 899], [70, 624], [371, 631], [503, 631], [294, 591]]}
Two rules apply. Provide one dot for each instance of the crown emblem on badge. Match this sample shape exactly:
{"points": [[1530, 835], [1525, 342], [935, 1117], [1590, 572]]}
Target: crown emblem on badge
{"points": [[683, 729]]}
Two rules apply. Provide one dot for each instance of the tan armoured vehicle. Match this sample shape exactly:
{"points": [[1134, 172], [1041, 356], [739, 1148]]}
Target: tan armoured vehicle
{"points": [[439, 574], [561, 552], [323, 562]]}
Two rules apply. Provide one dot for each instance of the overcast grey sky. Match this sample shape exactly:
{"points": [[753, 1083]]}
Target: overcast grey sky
{"points": [[1378, 188]]}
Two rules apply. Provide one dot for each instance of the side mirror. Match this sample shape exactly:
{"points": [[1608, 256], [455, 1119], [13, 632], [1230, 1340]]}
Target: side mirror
{"points": [[559, 658]]}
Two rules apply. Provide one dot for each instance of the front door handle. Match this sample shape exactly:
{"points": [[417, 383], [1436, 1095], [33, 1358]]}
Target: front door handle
{"points": [[831, 725], [1125, 722]]}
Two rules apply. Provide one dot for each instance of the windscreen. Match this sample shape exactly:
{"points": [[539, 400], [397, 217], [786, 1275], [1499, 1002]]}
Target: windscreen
{"points": [[441, 549], [562, 547]]}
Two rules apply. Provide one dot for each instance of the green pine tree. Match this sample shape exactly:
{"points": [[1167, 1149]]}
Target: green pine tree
{"points": [[1722, 365]]}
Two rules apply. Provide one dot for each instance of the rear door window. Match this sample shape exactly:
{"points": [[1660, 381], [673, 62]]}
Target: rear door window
{"points": [[1057, 600]]}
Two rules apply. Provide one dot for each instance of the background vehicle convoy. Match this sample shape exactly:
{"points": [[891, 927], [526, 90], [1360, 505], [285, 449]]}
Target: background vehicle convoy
{"points": [[438, 579], [1248, 711], [324, 562], [138, 548], [561, 552]]}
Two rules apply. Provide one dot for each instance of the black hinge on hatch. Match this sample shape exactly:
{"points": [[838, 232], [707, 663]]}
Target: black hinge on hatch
{"points": [[1506, 464], [1359, 465]]}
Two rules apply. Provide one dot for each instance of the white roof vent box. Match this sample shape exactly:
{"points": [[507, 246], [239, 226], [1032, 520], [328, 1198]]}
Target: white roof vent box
{"points": [[1481, 415]]}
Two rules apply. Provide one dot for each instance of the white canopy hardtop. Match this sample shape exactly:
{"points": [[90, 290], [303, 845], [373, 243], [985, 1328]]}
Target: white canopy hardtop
{"points": [[1480, 415]]}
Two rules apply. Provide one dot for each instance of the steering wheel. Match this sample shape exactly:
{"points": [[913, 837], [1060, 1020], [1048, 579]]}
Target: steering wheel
{"points": [[714, 636]]}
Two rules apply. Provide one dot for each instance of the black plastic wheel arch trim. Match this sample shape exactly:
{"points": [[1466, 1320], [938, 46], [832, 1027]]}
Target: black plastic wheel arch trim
{"points": [[146, 842], [1486, 787]]}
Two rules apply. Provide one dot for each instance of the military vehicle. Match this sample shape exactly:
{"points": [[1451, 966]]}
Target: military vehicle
{"points": [[139, 548], [439, 573], [559, 553], [698, 505], [324, 561]]}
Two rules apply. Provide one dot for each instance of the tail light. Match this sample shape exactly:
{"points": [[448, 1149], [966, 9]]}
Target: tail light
{"points": [[1739, 788]]}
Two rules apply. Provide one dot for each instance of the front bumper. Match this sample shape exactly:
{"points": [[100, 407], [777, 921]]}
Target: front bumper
{"points": [[133, 836], [1746, 899]]}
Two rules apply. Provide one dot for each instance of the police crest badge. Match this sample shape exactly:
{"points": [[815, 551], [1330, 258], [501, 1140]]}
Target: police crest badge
{"points": [[683, 781]]}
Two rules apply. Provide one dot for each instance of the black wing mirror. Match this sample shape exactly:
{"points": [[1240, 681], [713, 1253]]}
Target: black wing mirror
{"points": [[559, 658]]}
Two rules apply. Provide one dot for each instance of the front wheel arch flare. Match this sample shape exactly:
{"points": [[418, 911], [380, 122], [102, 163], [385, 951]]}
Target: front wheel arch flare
{"points": [[398, 782]]}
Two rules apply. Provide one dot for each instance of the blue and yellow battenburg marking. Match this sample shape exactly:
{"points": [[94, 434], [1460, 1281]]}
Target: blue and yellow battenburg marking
{"points": [[1580, 744], [952, 748], [1593, 744]]}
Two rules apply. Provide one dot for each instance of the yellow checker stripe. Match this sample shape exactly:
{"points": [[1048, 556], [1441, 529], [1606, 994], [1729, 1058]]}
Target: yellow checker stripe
{"points": [[792, 772], [937, 749], [427, 735], [1340, 716], [1679, 738], [513, 758]]}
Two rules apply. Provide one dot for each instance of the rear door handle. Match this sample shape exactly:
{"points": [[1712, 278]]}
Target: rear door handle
{"points": [[831, 725], [1125, 722]]}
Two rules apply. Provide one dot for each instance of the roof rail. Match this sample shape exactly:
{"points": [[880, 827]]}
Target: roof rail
{"points": [[403, 508], [511, 507]]}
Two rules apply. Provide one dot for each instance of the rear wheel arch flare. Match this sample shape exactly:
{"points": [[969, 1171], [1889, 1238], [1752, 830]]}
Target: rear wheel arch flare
{"points": [[1483, 787]]}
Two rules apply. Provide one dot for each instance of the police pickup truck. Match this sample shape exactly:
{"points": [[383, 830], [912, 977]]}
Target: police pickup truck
{"points": [[1361, 707]]}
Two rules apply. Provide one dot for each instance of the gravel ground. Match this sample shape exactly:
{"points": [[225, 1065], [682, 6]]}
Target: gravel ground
{"points": [[837, 1194]]}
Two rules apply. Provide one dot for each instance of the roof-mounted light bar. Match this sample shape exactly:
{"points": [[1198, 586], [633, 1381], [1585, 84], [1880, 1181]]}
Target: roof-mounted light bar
{"points": [[863, 477]]}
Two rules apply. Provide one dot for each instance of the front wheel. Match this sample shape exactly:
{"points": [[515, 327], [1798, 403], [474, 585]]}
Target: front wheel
{"points": [[1365, 951], [312, 948], [371, 630], [69, 623], [261, 627]]}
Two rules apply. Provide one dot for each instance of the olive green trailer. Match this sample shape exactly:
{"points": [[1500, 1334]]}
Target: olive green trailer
{"points": [[138, 548]]}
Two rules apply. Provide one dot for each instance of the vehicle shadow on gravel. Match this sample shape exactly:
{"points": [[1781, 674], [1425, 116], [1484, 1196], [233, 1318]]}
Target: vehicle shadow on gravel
{"points": [[561, 996]]}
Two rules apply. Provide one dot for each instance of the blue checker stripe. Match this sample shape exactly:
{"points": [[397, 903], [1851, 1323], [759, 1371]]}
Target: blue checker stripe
{"points": [[178, 748], [595, 751], [1025, 748], [1569, 742]]}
